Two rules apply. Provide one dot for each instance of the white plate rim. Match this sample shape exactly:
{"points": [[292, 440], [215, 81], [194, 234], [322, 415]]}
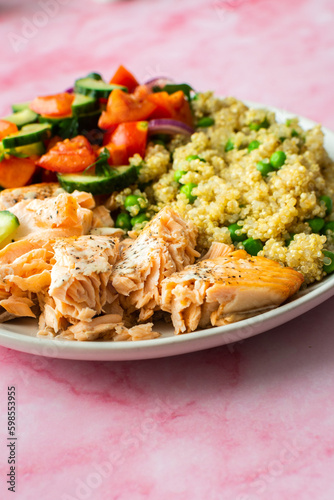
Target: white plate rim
{"points": [[178, 344]]}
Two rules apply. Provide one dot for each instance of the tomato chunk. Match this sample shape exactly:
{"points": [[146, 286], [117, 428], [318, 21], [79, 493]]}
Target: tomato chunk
{"points": [[174, 106], [69, 156], [124, 77], [133, 135], [7, 128], [16, 172], [118, 154], [58, 105], [123, 107]]}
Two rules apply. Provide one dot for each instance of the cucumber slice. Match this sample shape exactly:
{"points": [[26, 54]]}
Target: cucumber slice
{"points": [[96, 88], [22, 118], [83, 104], [29, 134], [20, 106], [35, 149], [122, 178], [95, 76], [8, 224]]}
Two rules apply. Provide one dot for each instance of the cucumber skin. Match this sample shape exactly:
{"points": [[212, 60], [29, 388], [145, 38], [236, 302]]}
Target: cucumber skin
{"points": [[20, 106], [84, 108], [105, 185], [96, 92], [11, 221], [23, 117], [17, 140]]}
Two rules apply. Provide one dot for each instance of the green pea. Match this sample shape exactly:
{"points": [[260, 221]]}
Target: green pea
{"points": [[178, 174], [277, 159], [264, 167], [294, 133], [206, 121], [257, 125], [328, 261], [123, 221], [229, 146], [316, 224], [235, 233], [253, 247], [187, 189], [134, 202], [329, 226], [328, 202], [194, 157], [139, 219], [253, 145], [290, 238]]}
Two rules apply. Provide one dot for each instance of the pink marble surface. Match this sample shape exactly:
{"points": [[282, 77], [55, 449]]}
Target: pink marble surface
{"points": [[250, 421]]}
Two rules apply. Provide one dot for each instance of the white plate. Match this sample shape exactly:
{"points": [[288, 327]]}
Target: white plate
{"points": [[21, 334]]}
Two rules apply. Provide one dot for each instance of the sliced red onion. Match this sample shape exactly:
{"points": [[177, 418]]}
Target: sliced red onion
{"points": [[159, 81], [168, 126], [70, 90]]}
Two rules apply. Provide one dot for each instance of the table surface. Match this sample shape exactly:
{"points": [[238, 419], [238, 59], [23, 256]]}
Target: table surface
{"points": [[249, 421]]}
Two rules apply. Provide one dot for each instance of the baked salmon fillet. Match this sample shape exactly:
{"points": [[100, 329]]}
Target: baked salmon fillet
{"points": [[226, 286], [165, 245]]}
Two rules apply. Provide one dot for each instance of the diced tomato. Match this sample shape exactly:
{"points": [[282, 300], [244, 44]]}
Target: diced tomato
{"points": [[118, 154], [123, 107], [108, 134], [16, 172], [133, 135], [7, 128], [53, 141], [58, 105], [124, 77], [174, 106], [69, 156]]}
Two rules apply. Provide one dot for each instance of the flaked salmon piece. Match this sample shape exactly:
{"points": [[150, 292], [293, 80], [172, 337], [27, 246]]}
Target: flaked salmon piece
{"points": [[51, 320], [16, 249], [27, 273], [107, 231], [107, 327], [165, 245], [18, 306], [102, 326], [80, 276], [217, 250], [85, 200], [137, 332], [225, 289], [9, 197], [60, 216], [101, 217]]}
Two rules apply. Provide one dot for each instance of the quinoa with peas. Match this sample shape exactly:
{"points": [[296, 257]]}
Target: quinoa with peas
{"points": [[243, 178]]}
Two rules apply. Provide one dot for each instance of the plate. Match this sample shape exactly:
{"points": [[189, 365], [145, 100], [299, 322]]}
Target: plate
{"points": [[21, 334]]}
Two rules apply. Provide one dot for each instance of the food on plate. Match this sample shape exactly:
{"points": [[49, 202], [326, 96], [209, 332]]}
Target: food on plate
{"points": [[225, 286], [164, 246], [161, 190]]}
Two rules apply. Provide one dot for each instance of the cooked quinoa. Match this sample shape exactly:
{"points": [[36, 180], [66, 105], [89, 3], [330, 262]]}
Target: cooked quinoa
{"points": [[231, 189]]}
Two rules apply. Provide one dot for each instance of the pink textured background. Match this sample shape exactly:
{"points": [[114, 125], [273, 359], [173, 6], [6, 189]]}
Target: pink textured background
{"points": [[250, 421]]}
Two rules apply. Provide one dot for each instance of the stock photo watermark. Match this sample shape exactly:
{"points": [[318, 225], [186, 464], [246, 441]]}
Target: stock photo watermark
{"points": [[11, 441], [30, 26]]}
